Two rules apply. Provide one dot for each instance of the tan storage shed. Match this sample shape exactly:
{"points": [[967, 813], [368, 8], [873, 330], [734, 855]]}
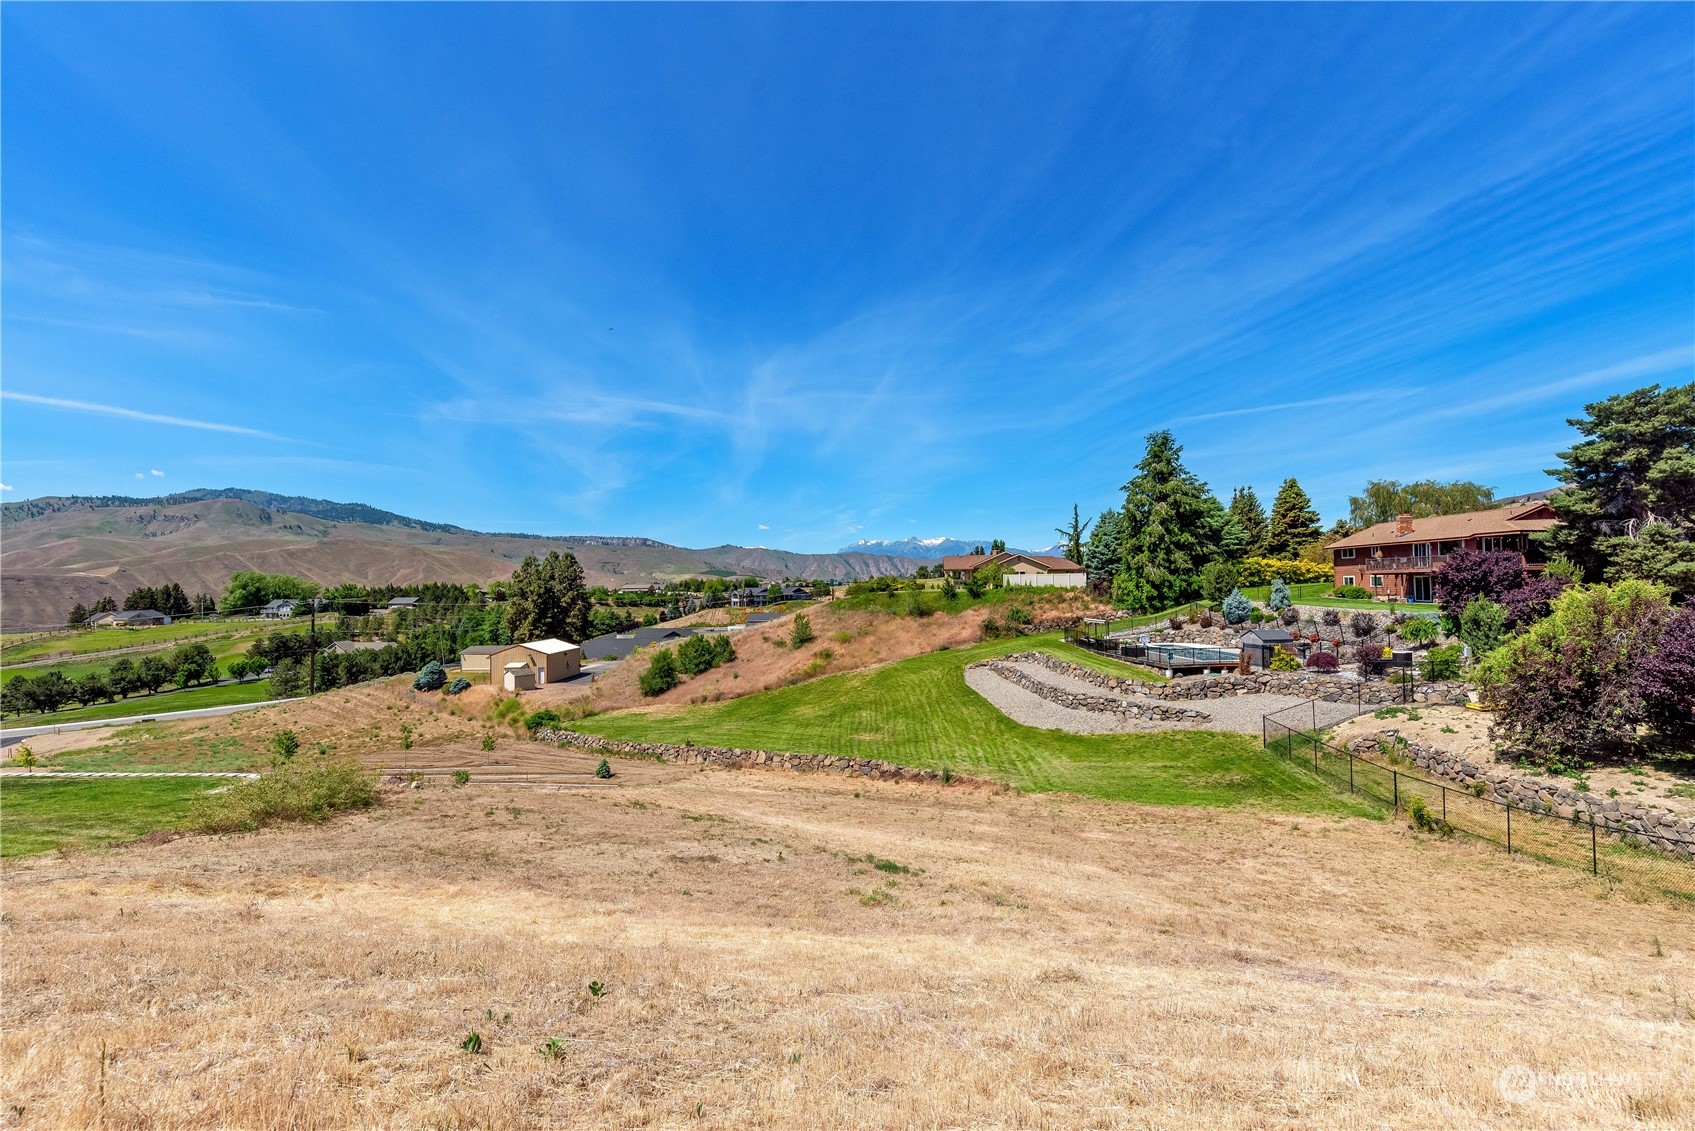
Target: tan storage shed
{"points": [[550, 661]]}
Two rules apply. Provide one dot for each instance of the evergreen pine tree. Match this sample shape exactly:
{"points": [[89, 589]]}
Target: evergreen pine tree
{"points": [[547, 598], [1071, 537], [1101, 556], [1294, 522], [1250, 516], [1170, 524]]}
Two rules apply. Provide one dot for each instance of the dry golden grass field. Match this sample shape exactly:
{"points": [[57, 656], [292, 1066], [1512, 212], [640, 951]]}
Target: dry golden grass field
{"points": [[777, 950]]}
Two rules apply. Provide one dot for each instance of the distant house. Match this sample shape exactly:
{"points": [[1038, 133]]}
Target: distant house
{"points": [[749, 597], [1020, 569], [619, 645], [281, 607], [525, 667], [1399, 558], [475, 658], [343, 647], [132, 618], [402, 603], [653, 588]]}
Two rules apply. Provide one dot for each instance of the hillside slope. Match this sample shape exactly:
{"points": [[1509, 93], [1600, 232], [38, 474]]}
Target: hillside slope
{"points": [[58, 551]]}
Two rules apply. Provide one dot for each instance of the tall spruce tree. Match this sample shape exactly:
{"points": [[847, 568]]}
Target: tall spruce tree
{"points": [[547, 598], [1102, 556], [1071, 537], [1250, 516], [1294, 522], [1171, 523]]}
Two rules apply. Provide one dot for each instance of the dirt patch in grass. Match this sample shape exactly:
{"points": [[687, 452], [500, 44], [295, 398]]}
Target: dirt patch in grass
{"points": [[721, 948]]}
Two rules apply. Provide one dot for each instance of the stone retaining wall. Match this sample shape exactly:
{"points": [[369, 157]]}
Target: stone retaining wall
{"points": [[770, 759], [1302, 684], [1098, 704], [1644, 824]]}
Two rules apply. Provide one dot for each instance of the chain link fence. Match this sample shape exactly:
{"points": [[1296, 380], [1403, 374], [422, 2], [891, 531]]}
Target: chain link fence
{"points": [[1444, 809]]}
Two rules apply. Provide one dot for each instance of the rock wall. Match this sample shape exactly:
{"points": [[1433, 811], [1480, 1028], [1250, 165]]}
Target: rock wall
{"points": [[737, 758], [1644, 824], [1303, 684], [1099, 704]]}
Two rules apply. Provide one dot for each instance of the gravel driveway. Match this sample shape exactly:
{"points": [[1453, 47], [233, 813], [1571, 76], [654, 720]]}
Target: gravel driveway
{"points": [[1240, 713]]}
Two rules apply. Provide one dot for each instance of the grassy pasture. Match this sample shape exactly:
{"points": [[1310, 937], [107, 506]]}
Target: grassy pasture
{"points": [[39, 813], [185, 699], [919, 712]]}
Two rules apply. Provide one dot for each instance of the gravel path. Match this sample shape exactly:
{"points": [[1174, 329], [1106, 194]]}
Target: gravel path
{"points": [[1240, 713]]}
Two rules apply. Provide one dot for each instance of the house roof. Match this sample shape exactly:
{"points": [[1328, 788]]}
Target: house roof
{"points": [[345, 646], [548, 647], [279, 602], [621, 644], [1517, 518], [136, 614], [402, 602], [973, 562]]}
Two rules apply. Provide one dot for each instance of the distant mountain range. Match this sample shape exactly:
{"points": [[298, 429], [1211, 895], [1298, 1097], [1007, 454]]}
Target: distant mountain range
{"points": [[56, 551], [932, 549]]}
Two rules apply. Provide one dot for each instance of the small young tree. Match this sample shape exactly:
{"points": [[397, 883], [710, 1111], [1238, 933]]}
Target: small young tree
{"points": [[1237, 608], [1363, 625], [949, 589], [1217, 580], [1279, 598], [24, 757], [800, 633], [288, 679], [661, 674], [77, 617], [430, 677], [286, 744]]}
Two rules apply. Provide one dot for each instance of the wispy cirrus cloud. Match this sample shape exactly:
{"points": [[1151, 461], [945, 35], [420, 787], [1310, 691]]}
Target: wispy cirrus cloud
{"points": [[148, 417]]}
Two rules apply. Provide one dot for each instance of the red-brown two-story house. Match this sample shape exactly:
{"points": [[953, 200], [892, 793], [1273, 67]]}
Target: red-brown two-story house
{"points": [[1396, 559]]}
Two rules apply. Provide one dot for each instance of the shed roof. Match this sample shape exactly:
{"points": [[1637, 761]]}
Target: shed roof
{"points": [[1267, 636], [548, 647], [483, 649]]}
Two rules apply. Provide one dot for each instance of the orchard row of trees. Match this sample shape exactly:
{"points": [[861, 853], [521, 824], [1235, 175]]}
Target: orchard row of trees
{"points": [[187, 665]]}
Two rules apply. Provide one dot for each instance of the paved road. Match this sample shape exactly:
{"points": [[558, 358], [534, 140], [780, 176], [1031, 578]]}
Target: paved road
{"points": [[18, 734]]}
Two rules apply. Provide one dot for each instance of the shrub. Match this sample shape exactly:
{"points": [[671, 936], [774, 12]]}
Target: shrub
{"points": [[294, 791], [1284, 660], [1331, 617], [661, 674], [288, 679], [1261, 571], [461, 777], [1370, 651], [1441, 663], [1363, 625], [537, 720], [1426, 821], [801, 632], [723, 649], [1352, 593], [604, 770], [459, 684], [1483, 625], [430, 677], [1237, 608], [1016, 615], [1279, 598], [991, 629], [696, 655], [1203, 619], [488, 742], [1290, 616], [1420, 630], [1323, 662]]}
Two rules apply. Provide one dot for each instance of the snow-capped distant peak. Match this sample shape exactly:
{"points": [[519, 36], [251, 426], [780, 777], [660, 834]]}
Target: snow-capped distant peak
{"points": [[929, 548]]}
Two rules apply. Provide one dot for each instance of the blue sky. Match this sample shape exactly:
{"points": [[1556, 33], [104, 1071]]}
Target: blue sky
{"points": [[796, 276]]}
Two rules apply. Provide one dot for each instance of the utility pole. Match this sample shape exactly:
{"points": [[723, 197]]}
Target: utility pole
{"points": [[312, 651]]}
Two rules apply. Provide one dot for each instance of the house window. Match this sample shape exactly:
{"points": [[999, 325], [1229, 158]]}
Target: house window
{"points": [[1448, 547], [1500, 542], [1377, 581], [1348, 553], [1347, 579]]}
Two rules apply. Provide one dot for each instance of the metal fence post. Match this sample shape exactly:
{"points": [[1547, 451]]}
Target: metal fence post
{"points": [[1594, 860], [1444, 803], [1396, 779], [1509, 828], [1350, 771]]}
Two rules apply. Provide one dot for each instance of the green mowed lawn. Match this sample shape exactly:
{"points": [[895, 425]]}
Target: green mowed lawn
{"points": [[920, 713], [187, 699], [39, 813]]}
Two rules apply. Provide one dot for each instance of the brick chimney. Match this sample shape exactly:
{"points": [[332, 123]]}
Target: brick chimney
{"points": [[1403, 524]]}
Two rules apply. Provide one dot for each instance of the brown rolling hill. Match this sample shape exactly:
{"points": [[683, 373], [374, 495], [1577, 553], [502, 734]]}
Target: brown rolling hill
{"points": [[55, 552]]}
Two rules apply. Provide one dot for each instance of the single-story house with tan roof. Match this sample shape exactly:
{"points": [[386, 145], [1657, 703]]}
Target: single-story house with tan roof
{"points": [[524, 667], [1020, 569], [1399, 558]]}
